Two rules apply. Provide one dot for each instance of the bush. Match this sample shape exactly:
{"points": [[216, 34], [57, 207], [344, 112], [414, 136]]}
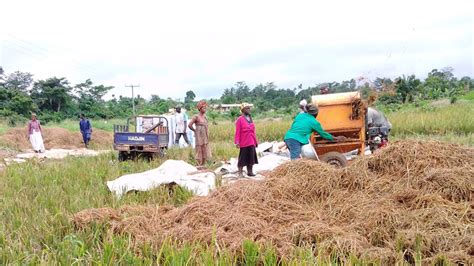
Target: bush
{"points": [[388, 99], [45, 118], [13, 119], [16, 120]]}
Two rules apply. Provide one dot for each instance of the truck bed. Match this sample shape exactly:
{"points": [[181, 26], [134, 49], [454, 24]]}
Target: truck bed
{"points": [[131, 141]]}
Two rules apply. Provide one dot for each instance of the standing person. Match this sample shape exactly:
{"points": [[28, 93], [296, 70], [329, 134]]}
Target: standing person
{"points": [[199, 125], [246, 141], [86, 130], [301, 129], [181, 121], [35, 134]]}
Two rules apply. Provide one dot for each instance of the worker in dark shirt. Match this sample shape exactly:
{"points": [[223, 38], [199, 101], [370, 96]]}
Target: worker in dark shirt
{"points": [[86, 130]]}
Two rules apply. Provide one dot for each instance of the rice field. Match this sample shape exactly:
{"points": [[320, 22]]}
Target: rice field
{"points": [[452, 123], [448, 122], [38, 199]]}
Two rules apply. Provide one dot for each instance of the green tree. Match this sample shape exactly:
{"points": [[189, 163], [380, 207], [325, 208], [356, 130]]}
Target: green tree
{"points": [[19, 81], [189, 99], [439, 83], [90, 98], [407, 87], [190, 96], [242, 91], [14, 95], [52, 95]]}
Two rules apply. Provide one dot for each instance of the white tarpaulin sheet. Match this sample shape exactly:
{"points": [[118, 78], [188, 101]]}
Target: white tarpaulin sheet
{"points": [[59, 153], [171, 171], [267, 162]]}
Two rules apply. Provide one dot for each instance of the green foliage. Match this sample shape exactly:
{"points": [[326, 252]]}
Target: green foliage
{"points": [[234, 113], [55, 98], [190, 95], [250, 252], [212, 115], [430, 119], [52, 94], [469, 96], [407, 88], [89, 100]]}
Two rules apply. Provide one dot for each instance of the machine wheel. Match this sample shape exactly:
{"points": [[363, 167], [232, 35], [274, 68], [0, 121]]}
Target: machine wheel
{"points": [[122, 156], [334, 158]]}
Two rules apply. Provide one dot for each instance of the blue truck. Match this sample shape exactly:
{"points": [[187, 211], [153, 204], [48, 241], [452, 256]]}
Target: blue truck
{"points": [[149, 140]]}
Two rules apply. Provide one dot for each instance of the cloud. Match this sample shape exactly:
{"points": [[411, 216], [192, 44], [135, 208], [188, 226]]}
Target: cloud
{"points": [[169, 47]]}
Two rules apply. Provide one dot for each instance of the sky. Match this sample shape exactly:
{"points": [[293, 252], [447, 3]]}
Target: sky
{"points": [[170, 47]]}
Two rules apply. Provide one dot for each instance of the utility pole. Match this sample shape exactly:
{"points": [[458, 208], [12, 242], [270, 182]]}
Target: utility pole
{"points": [[133, 97]]}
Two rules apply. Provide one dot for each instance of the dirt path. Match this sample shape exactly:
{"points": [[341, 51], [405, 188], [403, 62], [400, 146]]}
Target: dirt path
{"points": [[57, 138], [59, 143]]}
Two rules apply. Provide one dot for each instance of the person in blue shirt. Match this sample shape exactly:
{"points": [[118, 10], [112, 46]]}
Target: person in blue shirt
{"points": [[86, 130]]}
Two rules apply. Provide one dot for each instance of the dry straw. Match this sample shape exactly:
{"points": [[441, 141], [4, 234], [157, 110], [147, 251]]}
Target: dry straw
{"points": [[411, 196]]}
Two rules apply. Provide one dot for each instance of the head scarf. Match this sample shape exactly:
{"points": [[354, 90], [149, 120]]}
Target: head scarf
{"points": [[312, 109], [244, 105], [201, 104], [303, 103]]}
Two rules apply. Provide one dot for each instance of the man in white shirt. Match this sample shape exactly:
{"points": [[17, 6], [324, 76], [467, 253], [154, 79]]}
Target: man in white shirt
{"points": [[181, 124]]}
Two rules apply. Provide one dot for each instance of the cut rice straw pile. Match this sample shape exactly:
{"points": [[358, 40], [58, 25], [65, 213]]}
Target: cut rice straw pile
{"points": [[409, 197]]}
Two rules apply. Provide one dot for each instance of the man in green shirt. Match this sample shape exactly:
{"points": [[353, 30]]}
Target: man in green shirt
{"points": [[301, 129]]}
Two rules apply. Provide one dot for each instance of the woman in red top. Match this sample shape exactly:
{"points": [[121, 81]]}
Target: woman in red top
{"points": [[246, 140]]}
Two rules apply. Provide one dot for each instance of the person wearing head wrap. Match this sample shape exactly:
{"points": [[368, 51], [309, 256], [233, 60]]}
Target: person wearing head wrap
{"points": [[301, 129], [35, 134], [199, 124], [303, 104], [201, 104], [246, 140]]}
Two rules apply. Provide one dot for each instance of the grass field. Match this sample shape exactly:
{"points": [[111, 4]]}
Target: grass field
{"points": [[452, 122], [38, 198]]}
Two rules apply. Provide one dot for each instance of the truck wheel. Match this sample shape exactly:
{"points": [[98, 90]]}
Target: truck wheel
{"points": [[122, 156], [334, 158], [161, 153], [134, 155]]}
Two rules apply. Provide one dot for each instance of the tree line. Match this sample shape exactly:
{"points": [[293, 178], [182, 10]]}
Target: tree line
{"points": [[55, 99]]}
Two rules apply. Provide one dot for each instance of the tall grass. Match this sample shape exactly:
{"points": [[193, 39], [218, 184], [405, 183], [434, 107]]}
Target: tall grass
{"points": [[267, 130], [38, 198], [452, 122], [73, 125], [431, 120]]}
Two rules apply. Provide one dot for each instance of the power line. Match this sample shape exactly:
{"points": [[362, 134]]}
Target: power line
{"points": [[133, 98], [44, 54]]}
